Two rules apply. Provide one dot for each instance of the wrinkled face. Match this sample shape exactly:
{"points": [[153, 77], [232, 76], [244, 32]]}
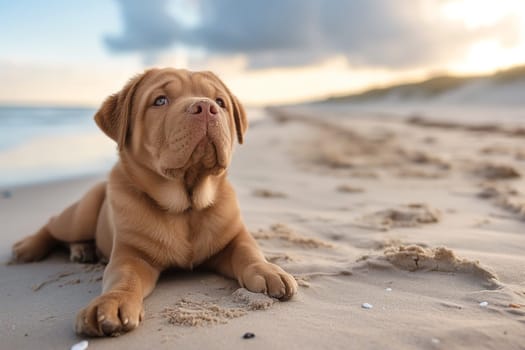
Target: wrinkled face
{"points": [[179, 121]]}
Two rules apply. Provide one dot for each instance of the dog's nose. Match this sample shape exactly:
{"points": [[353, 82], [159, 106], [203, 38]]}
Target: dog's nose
{"points": [[206, 108]]}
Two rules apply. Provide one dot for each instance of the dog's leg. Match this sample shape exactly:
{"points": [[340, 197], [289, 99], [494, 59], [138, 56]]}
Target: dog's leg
{"points": [[34, 247], [243, 260], [76, 223], [128, 279]]}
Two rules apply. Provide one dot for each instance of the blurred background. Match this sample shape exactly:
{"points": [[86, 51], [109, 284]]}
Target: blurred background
{"points": [[59, 59]]}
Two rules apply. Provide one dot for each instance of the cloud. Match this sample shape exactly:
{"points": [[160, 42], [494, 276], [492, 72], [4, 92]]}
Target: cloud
{"points": [[387, 33], [148, 27]]}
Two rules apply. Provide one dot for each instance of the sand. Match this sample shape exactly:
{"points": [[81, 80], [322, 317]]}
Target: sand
{"points": [[402, 233]]}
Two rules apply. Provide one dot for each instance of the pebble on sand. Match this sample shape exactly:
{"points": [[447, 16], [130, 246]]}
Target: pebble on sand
{"points": [[484, 304], [388, 289], [248, 335], [367, 306]]}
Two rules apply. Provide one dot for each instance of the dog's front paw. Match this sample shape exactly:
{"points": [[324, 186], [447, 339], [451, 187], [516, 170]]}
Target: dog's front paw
{"points": [[110, 314], [269, 279]]}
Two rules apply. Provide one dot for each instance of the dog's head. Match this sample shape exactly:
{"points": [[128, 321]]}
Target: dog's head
{"points": [[175, 122]]}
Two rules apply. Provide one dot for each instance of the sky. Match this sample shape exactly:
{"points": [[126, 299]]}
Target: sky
{"points": [[67, 52]]}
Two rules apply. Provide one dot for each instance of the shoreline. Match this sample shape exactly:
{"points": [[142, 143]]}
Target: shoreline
{"points": [[53, 181]]}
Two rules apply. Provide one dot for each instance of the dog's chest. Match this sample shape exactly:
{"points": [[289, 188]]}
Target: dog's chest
{"points": [[187, 240]]}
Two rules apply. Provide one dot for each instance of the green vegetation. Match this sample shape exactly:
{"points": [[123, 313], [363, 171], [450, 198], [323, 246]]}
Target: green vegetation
{"points": [[508, 75], [432, 87]]}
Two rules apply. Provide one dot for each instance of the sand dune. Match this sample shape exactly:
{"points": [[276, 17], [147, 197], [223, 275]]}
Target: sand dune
{"points": [[400, 235]]}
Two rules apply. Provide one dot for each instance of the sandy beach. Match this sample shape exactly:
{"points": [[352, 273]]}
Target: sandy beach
{"points": [[402, 232]]}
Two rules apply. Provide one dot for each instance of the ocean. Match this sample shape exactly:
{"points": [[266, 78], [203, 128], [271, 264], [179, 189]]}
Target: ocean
{"points": [[45, 143], [39, 144]]}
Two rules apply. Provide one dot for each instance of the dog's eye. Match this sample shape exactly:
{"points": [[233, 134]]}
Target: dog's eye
{"points": [[161, 101], [220, 102]]}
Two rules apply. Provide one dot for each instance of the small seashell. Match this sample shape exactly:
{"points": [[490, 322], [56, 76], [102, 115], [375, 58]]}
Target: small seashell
{"points": [[83, 345], [388, 289], [483, 304], [367, 306]]}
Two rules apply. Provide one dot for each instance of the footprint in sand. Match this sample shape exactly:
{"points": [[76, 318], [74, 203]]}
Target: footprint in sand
{"points": [[410, 215], [349, 189], [264, 193], [497, 296], [494, 190], [283, 232], [492, 171], [410, 172], [416, 258], [194, 312], [505, 197]]}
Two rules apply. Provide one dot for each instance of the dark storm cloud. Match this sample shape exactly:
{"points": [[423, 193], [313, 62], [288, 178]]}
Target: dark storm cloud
{"points": [[147, 27], [297, 32]]}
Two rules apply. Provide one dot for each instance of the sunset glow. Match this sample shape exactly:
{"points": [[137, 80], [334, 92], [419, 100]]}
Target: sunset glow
{"points": [[487, 54], [55, 67]]}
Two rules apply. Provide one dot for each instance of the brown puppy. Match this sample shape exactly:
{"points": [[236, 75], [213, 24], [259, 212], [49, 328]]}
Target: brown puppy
{"points": [[167, 202]]}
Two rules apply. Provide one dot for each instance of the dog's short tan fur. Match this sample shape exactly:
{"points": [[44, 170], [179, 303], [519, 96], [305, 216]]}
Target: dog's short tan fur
{"points": [[167, 202]]}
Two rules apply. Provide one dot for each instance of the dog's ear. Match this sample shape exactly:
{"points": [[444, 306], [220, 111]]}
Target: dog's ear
{"points": [[113, 116], [239, 114]]}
